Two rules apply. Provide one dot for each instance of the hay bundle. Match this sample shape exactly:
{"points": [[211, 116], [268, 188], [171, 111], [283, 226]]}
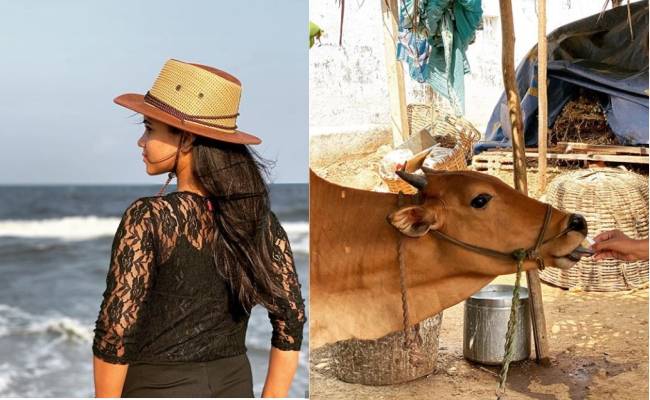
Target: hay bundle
{"points": [[582, 120]]}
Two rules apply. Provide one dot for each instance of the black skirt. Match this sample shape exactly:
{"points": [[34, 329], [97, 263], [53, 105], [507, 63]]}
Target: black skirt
{"points": [[225, 377]]}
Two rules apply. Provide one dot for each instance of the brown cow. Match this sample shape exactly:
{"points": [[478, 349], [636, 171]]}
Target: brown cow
{"points": [[355, 291]]}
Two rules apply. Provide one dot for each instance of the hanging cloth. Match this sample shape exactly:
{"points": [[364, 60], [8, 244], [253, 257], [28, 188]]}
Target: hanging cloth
{"points": [[432, 39]]}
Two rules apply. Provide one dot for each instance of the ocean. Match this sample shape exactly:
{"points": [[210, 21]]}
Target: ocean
{"points": [[55, 246]]}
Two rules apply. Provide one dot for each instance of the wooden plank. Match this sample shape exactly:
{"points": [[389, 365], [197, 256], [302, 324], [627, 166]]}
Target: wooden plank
{"points": [[593, 157], [542, 123], [519, 157], [395, 73], [601, 148], [571, 156]]}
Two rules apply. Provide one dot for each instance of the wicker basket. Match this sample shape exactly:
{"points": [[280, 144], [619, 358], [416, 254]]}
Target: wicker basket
{"points": [[440, 121], [608, 198], [397, 185], [428, 126], [384, 361]]}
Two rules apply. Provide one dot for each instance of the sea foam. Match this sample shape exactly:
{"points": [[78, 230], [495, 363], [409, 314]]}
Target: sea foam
{"points": [[66, 228], [15, 321]]}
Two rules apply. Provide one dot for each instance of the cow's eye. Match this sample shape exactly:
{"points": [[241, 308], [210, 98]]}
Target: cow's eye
{"points": [[481, 200]]}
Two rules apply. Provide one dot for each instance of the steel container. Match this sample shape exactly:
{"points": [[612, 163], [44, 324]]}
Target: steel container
{"points": [[486, 321]]}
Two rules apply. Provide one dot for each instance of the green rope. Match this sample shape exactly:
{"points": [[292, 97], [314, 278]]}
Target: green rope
{"points": [[509, 350]]}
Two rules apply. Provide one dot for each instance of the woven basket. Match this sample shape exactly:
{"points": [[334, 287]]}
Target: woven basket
{"points": [[441, 122], [398, 185], [428, 126], [384, 361], [608, 199]]}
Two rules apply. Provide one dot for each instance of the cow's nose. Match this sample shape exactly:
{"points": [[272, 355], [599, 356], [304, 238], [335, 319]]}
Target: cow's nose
{"points": [[578, 223]]}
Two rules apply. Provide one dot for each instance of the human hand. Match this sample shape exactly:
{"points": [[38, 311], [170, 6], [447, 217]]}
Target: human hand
{"points": [[615, 244]]}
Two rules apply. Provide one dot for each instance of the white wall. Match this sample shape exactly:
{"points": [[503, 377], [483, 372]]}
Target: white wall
{"points": [[347, 85], [348, 90]]}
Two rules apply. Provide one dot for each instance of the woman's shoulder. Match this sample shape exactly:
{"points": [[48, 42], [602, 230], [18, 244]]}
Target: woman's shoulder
{"points": [[155, 202], [171, 208], [143, 203], [149, 206]]}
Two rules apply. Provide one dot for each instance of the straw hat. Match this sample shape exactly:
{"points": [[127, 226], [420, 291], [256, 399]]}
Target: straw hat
{"points": [[195, 98]]}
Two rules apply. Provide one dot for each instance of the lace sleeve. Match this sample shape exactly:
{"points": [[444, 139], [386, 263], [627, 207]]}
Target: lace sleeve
{"points": [[288, 317], [127, 282]]}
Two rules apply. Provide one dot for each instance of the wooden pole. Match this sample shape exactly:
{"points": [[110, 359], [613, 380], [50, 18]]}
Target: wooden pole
{"points": [[519, 161], [514, 108], [542, 105], [395, 73]]}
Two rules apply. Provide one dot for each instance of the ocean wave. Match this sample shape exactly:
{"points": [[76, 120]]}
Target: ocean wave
{"points": [[7, 374], [91, 227], [66, 228], [19, 247], [295, 227], [300, 245], [298, 233], [14, 321], [46, 365]]}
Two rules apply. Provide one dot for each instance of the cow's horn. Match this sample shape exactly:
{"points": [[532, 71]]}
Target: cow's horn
{"points": [[430, 171], [418, 181]]}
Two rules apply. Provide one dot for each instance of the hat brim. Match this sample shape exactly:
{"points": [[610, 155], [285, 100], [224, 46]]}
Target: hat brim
{"points": [[135, 102]]}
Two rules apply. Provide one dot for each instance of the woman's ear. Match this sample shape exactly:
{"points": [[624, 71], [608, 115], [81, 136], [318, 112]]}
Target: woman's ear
{"points": [[188, 142]]}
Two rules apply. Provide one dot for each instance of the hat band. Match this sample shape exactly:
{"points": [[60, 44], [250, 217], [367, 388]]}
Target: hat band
{"points": [[156, 102]]}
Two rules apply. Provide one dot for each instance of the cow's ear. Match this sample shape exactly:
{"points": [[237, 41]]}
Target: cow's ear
{"points": [[415, 221]]}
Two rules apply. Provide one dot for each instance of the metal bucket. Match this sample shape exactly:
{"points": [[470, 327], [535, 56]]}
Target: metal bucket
{"points": [[486, 322]]}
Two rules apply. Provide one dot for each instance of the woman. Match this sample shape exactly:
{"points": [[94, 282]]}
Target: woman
{"points": [[187, 267]]}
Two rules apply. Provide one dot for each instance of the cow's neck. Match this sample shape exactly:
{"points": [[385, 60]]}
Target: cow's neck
{"points": [[355, 273]]}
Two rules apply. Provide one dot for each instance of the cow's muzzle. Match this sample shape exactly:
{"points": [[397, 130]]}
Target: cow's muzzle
{"points": [[578, 223]]}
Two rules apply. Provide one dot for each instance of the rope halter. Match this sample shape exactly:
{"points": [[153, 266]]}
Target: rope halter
{"points": [[520, 254]]}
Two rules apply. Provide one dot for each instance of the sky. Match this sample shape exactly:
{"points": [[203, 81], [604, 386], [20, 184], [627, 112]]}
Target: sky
{"points": [[63, 62]]}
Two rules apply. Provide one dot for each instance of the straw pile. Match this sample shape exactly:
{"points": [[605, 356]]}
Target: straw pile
{"points": [[582, 120]]}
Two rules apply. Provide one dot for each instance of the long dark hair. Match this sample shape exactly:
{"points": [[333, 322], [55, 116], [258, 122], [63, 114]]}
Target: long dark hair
{"points": [[233, 174]]}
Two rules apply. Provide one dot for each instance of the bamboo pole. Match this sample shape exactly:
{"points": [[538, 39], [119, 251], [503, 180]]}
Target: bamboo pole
{"points": [[519, 161], [395, 73], [542, 105]]}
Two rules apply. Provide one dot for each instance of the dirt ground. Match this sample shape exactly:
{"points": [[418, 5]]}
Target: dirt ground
{"points": [[598, 346]]}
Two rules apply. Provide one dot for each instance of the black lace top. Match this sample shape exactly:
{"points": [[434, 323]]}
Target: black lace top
{"points": [[164, 298]]}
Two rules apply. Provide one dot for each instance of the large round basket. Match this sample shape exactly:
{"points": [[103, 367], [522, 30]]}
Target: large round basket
{"points": [[384, 361], [429, 126], [609, 199]]}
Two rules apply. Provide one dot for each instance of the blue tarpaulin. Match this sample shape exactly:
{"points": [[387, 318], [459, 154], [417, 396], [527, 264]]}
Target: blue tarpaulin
{"points": [[597, 55]]}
